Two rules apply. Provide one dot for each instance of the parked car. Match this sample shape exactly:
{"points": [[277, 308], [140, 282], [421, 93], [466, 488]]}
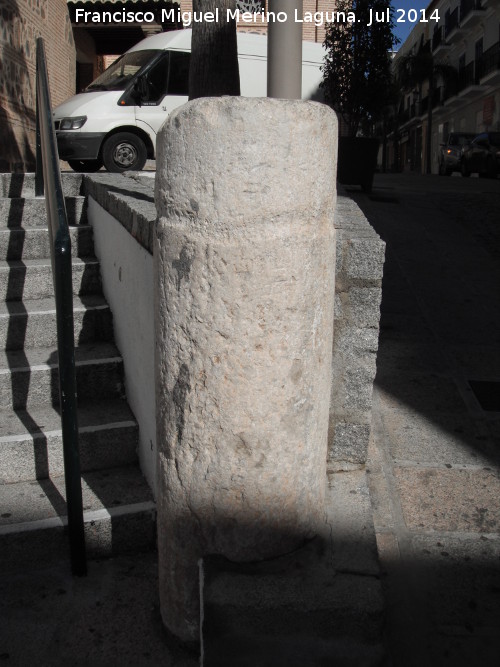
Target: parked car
{"points": [[450, 154], [482, 155]]}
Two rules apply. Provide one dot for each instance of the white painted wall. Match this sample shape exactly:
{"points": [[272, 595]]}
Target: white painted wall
{"points": [[127, 276]]}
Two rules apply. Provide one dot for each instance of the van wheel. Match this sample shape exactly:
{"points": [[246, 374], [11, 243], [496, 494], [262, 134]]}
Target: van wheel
{"points": [[464, 169], [124, 151], [85, 166]]}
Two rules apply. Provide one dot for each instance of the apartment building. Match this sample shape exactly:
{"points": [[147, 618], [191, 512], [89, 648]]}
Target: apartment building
{"points": [[464, 35]]}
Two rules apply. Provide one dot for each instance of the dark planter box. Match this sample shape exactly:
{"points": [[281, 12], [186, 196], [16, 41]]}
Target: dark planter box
{"points": [[357, 161]]}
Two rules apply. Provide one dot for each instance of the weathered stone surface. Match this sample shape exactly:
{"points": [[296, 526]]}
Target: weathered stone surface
{"points": [[358, 291], [361, 306], [244, 272], [349, 446], [365, 259], [357, 299]]}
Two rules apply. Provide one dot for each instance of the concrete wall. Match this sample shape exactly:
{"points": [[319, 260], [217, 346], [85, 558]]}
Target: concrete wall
{"points": [[21, 22], [127, 276], [123, 214]]}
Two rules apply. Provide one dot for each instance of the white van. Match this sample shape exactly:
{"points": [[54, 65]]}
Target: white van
{"points": [[116, 119]]}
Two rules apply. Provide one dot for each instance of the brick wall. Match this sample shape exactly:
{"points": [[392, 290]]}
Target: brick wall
{"points": [[22, 21]]}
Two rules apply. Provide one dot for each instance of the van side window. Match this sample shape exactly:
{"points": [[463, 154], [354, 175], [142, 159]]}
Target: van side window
{"points": [[178, 82], [157, 80]]}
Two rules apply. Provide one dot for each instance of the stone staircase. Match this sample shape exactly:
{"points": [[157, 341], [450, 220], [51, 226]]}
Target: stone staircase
{"points": [[119, 511]]}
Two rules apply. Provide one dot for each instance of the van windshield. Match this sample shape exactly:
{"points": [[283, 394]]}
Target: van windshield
{"points": [[118, 75]]}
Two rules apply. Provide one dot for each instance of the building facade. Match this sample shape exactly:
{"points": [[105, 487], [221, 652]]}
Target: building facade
{"points": [[22, 21], [463, 37]]}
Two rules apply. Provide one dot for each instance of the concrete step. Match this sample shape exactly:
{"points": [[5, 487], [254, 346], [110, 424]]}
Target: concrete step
{"points": [[30, 377], [119, 514], [32, 278], [289, 617], [321, 605], [34, 243], [32, 323], [31, 441], [23, 185], [31, 212]]}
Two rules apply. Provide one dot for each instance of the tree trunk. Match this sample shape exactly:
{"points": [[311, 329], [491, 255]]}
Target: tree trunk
{"points": [[214, 52]]}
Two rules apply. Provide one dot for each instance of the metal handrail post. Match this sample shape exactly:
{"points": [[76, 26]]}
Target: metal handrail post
{"points": [[38, 164], [60, 248]]}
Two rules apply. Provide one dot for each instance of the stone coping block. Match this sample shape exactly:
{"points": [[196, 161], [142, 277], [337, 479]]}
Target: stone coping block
{"points": [[360, 253], [129, 201], [129, 197]]}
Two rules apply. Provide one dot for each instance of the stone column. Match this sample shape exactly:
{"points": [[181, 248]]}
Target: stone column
{"points": [[244, 274]]}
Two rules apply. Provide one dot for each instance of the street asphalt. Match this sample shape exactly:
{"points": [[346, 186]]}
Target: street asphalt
{"points": [[433, 461]]}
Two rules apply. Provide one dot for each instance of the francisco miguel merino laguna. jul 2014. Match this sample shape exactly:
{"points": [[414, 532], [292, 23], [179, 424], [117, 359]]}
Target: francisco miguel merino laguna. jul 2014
{"points": [[188, 18]]}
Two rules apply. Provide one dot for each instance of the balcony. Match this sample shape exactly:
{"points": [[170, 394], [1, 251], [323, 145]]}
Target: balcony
{"points": [[471, 12], [439, 44], [489, 69], [468, 81], [452, 28]]}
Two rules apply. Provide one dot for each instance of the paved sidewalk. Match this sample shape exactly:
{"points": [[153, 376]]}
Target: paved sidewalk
{"points": [[435, 451], [434, 462], [110, 618]]}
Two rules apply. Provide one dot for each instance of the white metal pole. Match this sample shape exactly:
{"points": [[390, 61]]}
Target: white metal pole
{"points": [[284, 49]]}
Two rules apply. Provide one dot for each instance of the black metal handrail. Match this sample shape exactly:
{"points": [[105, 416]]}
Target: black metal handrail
{"points": [[48, 178]]}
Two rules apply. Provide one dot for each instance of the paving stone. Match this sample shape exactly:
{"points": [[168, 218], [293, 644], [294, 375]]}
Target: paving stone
{"points": [[435, 437], [450, 499], [422, 392], [460, 582]]}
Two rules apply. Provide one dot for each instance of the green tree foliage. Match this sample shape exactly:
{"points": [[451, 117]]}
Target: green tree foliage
{"points": [[357, 67]]}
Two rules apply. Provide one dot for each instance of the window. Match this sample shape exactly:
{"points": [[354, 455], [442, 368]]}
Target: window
{"points": [[121, 72], [479, 48], [178, 81], [169, 76], [156, 80]]}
